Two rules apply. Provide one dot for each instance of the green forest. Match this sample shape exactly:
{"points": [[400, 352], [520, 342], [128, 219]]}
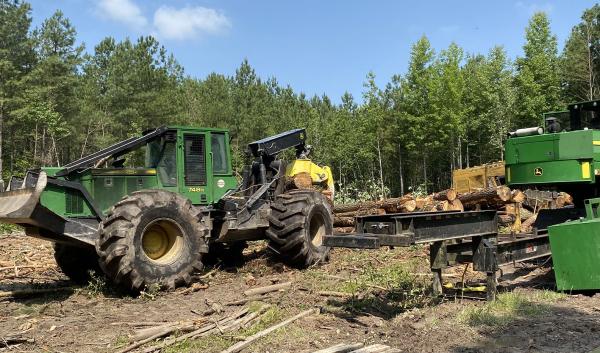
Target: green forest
{"points": [[450, 109]]}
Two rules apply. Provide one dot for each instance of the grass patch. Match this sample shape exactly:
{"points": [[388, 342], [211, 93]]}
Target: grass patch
{"points": [[509, 307], [381, 282], [6, 228], [96, 285], [395, 276]]}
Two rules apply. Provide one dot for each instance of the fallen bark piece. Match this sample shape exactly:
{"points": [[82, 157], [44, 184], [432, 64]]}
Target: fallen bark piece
{"points": [[142, 323], [194, 288], [245, 343], [328, 293], [267, 289], [11, 340], [20, 267], [376, 348], [30, 292], [341, 348], [245, 300]]}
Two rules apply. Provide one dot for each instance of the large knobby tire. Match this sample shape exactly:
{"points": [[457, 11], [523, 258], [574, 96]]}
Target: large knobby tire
{"points": [[299, 219], [152, 237], [76, 262]]}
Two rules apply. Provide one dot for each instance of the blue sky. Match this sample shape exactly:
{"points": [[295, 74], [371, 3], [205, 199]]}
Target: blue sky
{"points": [[316, 46]]}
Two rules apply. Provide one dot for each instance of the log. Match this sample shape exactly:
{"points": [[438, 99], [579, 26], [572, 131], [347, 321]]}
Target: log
{"points": [[489, 196], [302, 181], [421, 202], [398, 205], [518, 196], [364, 212], [391, 205], [245, 343], [525, 213], [563, 200], [446, 195], [343, 221], [527, 225], [267, 289], [436, 206], [455, 205]]}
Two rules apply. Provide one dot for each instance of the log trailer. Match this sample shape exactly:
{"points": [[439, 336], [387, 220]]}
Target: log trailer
{"points": [[562, 156], [153, 221]]}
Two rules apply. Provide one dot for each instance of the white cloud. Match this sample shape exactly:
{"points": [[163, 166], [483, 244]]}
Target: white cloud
{"points": [[531, 8], [123, 11], [188, 22]]}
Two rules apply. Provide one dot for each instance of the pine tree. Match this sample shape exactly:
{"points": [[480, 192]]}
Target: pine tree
{"points": [[537, 80], [580, 62], [16, 59]]}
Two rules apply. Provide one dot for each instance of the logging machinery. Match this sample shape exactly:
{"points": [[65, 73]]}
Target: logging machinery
{"points": [[562, 156], [150, 218]]}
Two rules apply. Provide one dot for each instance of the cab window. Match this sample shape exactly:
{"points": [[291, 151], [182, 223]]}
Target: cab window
{"points": [[161, 154], [219, 154]]}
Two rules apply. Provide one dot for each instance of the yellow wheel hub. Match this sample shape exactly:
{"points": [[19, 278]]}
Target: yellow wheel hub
{"points": [[162, 241]]}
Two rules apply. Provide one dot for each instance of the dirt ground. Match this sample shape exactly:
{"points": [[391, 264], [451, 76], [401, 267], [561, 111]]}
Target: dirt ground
{"points": [[386, 301]]}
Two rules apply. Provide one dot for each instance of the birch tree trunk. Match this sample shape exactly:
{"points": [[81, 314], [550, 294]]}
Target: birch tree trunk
{"points": [[380, 170], [400, 167], [1, 132]]}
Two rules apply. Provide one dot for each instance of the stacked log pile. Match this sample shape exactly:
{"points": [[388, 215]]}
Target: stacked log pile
{"points": [[517, 209]]}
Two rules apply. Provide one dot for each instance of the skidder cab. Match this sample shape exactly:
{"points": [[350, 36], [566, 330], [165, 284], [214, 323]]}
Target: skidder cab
{"points": [[147, 209]]}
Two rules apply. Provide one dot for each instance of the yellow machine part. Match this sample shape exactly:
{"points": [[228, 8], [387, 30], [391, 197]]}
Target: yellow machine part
{"points": [[319, 175], [483, 176]]}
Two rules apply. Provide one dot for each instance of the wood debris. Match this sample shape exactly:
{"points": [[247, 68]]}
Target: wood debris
{"points": [[191, 329], [14, 339], [267, 289], [243, 344], [358, 348]]}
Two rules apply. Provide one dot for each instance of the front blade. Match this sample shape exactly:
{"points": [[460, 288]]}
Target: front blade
{"points": [[17, 206]]}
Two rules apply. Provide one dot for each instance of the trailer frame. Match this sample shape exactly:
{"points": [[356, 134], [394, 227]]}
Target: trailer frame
{"points": [[454, 237]]}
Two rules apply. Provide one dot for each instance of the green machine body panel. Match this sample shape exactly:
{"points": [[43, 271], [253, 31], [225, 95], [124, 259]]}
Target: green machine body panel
{"points": [[575, 249], [198, 167], [565, 157]]}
